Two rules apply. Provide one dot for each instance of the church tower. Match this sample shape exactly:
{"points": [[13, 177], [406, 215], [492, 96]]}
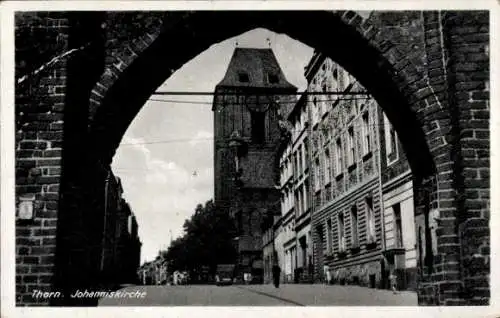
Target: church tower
{"points": [[248, 104]]}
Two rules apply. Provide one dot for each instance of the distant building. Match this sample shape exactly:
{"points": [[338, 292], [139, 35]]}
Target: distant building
{"points": [[247, 106], [121, 247], [154, 272], [128, 245], [134, 247], [112, 206]]}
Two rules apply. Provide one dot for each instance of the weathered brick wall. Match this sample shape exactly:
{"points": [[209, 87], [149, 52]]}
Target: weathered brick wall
{"points": [[127, 35], [39, 133], [467, 43]]}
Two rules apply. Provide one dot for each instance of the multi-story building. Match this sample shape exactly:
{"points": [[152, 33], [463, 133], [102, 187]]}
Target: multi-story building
{"points": [[293, 228], [361, 184], [270, 245], [128, 247], [400, 253], [246, 134], [154, 272], [301, 186], [285, 240], [121, 246], [135, 245], [346, 169], [112, 206]]}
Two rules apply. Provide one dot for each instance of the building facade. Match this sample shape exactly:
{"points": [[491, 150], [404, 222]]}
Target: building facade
{"points": [[400, 235], [129, 245], [246, 134], [346, 189], [121, 246], [301, 186], [154, 272]]}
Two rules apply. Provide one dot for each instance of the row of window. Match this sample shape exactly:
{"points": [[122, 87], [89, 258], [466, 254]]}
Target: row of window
{"points": [[301, 200], [299, 123], [286, 201], [332, 74], [338, 164], [286, 170], [340, 227], [352, 155], [334, 80], [298, 161]]}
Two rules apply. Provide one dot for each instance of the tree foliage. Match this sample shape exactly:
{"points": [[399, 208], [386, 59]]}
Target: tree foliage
{"points": [[207, 241]]}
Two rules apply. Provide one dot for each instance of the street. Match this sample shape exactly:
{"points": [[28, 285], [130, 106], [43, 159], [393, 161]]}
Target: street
{"points": [[263, 295]]}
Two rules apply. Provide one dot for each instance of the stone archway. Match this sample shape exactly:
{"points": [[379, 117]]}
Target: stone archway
{"points": [[377, 63], [373, 60], [424, 100]]}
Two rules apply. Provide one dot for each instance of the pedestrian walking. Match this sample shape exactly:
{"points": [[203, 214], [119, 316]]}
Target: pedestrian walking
{"points": [[393, 281], [247, 277], [326, 274], [276, 275]]}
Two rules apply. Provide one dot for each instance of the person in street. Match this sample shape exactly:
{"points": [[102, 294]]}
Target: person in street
{"points": [[247, 277], [326, 272], [276, 275], [393, 281]]}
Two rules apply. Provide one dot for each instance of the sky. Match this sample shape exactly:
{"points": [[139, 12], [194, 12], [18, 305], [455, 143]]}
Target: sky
{"points": [[165, 159]]}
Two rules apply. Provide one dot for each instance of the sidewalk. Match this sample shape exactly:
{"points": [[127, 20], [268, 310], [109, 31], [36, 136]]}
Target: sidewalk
{"points": [[335, 295]]}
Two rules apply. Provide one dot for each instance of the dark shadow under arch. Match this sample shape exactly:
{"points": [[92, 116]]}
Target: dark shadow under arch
{"points": [[178, 44]]}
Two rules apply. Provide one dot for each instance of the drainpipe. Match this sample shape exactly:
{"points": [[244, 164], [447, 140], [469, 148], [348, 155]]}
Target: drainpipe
{"points": [[381, 193], [309, 196], [382, 207], [106, 185]]}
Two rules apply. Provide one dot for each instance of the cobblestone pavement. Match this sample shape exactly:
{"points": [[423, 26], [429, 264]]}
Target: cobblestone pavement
{"points": [[263, 295]]}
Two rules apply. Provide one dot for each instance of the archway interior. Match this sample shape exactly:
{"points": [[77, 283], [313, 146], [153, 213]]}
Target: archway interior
{"points": [[176, 46]]}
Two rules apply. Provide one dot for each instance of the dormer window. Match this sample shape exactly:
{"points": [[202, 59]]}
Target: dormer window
{"points": [[243, 77], [272, 78]]}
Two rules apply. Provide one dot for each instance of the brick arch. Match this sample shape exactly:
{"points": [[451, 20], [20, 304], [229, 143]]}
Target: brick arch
{"points": [[439, 94], [138, 67], [135, 69]]}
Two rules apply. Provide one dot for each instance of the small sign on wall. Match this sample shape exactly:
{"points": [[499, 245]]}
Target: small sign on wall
{"points": [[25, 208]]}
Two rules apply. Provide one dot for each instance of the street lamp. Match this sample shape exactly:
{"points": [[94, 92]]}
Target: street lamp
{"points": [[237, 143]]}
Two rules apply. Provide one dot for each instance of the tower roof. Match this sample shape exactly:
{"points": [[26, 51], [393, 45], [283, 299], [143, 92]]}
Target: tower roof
{"points": [[251, 67]]}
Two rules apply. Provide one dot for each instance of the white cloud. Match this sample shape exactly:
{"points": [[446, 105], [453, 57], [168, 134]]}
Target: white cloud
{"points": [[162, 192], [202, 137]]}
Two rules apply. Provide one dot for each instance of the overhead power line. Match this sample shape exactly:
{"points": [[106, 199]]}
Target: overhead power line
{"points": [[179, 101], [280, 103], [167, 141], [193, 93]]}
